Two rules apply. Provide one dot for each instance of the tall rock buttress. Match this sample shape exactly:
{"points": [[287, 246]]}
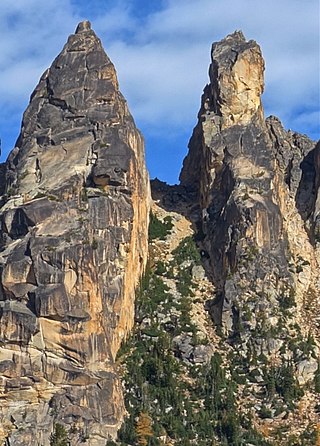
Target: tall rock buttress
{"points": [[257, 188], [73, 244]]}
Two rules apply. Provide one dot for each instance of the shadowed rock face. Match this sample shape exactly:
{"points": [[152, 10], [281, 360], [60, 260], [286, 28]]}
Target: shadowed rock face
{"points": [[73, 240], [257, 187]]}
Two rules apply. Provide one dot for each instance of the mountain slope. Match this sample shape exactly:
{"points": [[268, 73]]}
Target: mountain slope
{"points": [[195, 384], [250, 189]]}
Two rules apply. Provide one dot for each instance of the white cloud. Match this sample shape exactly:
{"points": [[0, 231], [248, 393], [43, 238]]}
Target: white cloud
{"points": [[114, 21], [162, 59], [161, 85], [164, 69], [31, 37]]}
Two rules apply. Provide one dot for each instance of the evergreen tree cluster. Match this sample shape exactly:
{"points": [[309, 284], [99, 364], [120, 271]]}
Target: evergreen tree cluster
{"points": [[169, 399], [172, 401], [159, 229]]}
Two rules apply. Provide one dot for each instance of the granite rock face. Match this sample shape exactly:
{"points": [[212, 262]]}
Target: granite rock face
{"points": [[257, 188], [74, 207], [73, 244]]}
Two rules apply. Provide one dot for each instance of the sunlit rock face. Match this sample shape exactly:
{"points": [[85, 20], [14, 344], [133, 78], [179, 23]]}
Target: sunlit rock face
{"points": [[236, 76], [73, 240], [257, 194], [232, 98]]}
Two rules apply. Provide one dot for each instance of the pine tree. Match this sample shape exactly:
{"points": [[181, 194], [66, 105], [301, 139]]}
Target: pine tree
{"points": [[144, 429], [59, 436]]}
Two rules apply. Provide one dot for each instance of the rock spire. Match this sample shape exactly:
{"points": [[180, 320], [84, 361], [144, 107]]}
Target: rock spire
{"points": [[257, 188], [73, 244]]}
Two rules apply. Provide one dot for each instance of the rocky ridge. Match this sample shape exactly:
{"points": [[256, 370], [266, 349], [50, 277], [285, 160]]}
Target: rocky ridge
{"points": [[73, 243], [225, 343], [257, 187]]}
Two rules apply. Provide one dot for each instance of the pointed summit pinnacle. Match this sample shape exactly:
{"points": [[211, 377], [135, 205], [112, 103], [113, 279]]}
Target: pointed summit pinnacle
{"points": [[77, 135], [236, 35], [83, 26], [236, 75]]}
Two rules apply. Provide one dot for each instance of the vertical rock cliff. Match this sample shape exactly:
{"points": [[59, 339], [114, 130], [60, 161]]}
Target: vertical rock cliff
{"points": [[73, 244], [257, 188], [256, 183], [225, 347]]}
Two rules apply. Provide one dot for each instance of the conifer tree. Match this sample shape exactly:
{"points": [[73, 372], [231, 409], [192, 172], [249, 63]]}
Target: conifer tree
{"points": [[144, 429], [59, 436]]}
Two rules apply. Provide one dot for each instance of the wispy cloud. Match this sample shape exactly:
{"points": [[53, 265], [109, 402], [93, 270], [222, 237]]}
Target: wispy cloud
{"points": [[161, 52], [30, 37]]}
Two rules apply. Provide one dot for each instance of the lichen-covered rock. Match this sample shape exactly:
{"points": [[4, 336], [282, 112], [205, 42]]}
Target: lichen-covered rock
{"points": [[73, 244]]}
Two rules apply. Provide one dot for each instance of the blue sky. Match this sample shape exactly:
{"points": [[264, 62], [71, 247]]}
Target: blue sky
{"points": [[161, 50]]}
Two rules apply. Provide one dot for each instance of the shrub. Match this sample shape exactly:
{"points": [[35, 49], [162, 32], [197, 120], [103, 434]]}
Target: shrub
{"points": [[144, 429], [287, 385], [184, 283], [287, 300], [153, 291], [160, 268], [111, 443], [265, 412]]}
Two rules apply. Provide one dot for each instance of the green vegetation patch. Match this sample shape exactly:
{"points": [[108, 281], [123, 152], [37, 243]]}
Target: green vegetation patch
{"points": [[187, 251], [159, 229], [169, 399]]}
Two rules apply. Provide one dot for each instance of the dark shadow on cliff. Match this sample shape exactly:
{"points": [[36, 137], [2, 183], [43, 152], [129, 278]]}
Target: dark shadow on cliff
{"points": [[306, 193]]}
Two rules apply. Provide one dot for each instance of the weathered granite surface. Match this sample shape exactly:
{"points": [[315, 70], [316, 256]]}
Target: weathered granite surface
{"points": [[257, 187], [73, 244], [74, 206]]}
